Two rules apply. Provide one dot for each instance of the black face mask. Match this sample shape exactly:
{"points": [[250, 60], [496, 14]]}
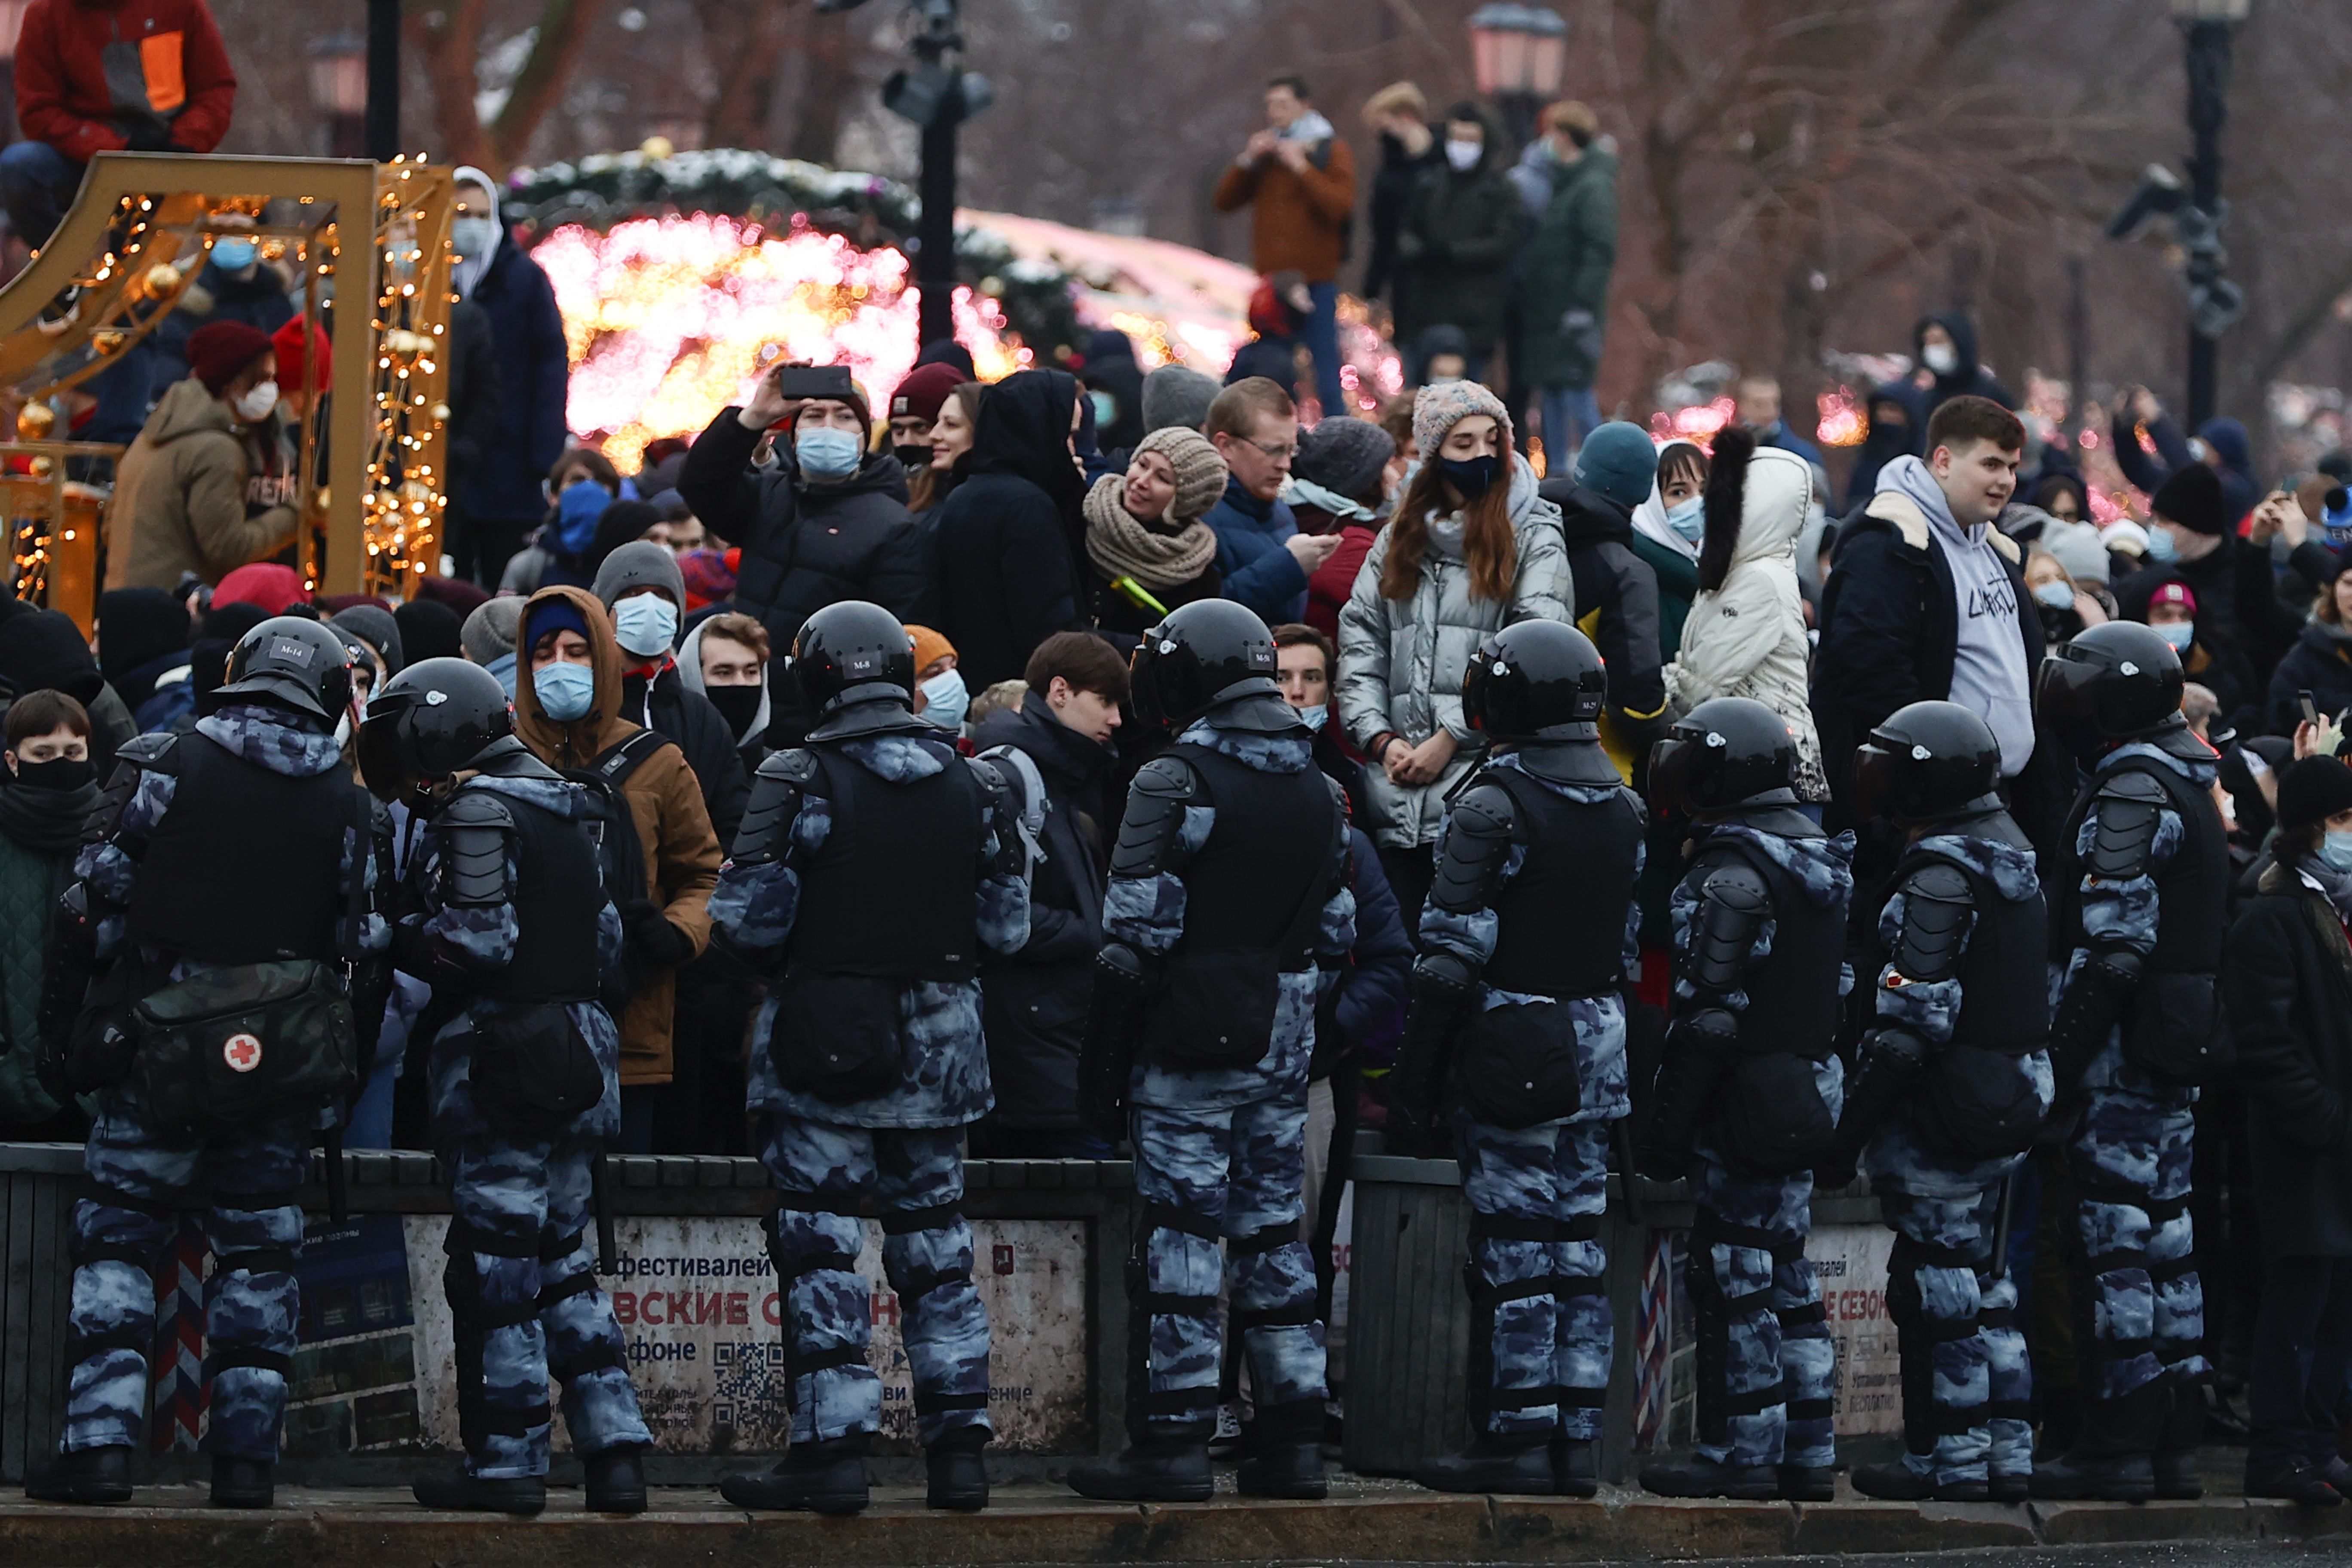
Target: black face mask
{"points": [[59, 772], [913, 457], [738, 705], [1470, 477]]}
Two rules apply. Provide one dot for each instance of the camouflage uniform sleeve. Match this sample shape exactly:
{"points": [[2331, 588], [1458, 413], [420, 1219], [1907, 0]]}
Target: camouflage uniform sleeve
{"points": [[109, 867], [2120, 913], [1166, 822], [374, 934], [476, 937], [754, 905], [1002, 898], [1926, 927], [1723, 926], [1633, 952], [1334, 933]]}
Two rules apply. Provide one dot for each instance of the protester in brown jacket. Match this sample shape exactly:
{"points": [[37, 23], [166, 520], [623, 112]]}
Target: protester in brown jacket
{"points": [[569, 627], [1301, 179]]}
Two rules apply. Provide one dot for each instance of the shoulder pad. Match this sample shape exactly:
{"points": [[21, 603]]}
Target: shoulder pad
{"points": [[1477, 840], [477, 808], [1938, 907], [783, 777], [1734, 903], [1154, 816], [796, 765], [2128, 807], [156, 750]]}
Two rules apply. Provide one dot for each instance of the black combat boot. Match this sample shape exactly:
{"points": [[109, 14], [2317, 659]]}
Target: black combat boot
{"points": [[1283, 1453], [958, 1479], [824, 1478], [1153, 1469], [2111, 1462], [457, 1491], [2177, 1442], [243, 1483], [1808, 1483], [2292, 1480], [1896, 1482], [1513, 1466], [83, 1476], [616, 1480], [1695, 1477], [1576, 1467]]}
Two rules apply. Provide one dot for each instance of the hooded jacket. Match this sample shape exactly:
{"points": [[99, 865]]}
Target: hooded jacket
{"points": [[65, 97], [1402, 662], [1566, 267], [1966, 379], [2320, 663], [1747, 638], [1617, 607], [751, 745], [179, 497], [682, 853], [1008, 577], [806, 545], [2286, 987], [1460, 233], [527, 349]]}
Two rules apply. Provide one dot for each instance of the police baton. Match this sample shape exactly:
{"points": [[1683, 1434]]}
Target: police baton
{"points": [[2000, 1225], [600, 1177]]}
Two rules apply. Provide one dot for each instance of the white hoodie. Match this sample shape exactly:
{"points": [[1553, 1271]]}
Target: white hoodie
{"points": [[690, 674]]}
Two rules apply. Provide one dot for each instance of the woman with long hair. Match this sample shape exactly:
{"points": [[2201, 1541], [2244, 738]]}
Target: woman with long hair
{"points": [[1471, 548], [951, 439]]}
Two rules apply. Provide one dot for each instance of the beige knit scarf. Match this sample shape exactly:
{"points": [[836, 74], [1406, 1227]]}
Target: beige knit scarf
{"points": [[1122, 545]]}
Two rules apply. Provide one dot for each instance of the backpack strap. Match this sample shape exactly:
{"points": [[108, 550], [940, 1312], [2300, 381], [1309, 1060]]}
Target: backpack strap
{"points": [[625, 757]]}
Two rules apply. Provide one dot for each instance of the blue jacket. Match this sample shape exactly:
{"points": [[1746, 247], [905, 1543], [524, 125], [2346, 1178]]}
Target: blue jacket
{"points": [[1255, 569], [527, 342]]}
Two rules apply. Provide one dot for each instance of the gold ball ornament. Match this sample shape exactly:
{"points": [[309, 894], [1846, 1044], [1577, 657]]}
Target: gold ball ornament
{"points": [[35, 421], [440, 413], [403, 344], [656, 147], [163, 280], [992, 287], [319, 500], [108, 340], [44, 466]]}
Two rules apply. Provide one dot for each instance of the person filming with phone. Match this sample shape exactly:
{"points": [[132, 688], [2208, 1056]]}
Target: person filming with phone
{"points": [[826, 521]]}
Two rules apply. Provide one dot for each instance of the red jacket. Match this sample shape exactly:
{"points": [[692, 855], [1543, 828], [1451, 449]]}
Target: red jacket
{"points": [[62, 97], [1327, 589]]}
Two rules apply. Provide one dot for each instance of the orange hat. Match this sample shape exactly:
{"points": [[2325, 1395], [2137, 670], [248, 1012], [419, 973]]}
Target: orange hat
{"points": [[297, 371], [928, 646]]}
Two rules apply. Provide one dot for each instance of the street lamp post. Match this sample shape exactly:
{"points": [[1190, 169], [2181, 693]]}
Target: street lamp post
{"points": [[383, 137], [2213, 302], [1518, 54], [339, 89], [12, 22], [937, 96]]}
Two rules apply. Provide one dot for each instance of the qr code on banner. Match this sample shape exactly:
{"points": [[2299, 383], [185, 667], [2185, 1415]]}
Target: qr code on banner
{"points": [[747, 1382]]}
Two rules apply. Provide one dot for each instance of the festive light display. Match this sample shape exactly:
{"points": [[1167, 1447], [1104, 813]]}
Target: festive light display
{"points": [[406, 470], [1840, 421]]}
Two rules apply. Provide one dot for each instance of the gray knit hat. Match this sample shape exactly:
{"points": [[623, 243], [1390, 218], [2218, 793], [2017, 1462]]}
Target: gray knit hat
{"points": [[1200, 471], [641, 563], [1437, 409], [373, 625], [1346, 456], [489, 632], [1176, 395]]}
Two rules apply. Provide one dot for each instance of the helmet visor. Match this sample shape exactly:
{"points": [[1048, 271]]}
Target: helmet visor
{"points": [[2065, 691], [1874, 780], [1674, 764], [384, 762]]}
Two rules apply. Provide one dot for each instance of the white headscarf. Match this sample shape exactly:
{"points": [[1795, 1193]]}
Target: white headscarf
{"points": [[1650, 517], [467, 272]]}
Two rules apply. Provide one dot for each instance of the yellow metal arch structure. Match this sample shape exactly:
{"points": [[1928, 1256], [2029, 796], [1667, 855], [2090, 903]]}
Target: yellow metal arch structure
{"points": [[138, 228]]}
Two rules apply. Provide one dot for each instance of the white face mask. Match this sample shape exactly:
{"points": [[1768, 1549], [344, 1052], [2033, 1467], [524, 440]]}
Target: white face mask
{"points": [[1942, 358], [945, 699], [2180, 633], [1463, 155], [254, 406]]}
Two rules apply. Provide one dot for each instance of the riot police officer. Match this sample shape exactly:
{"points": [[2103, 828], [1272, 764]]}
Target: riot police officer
{"points": [[509, 920], [873, 864], [1525, 939], [230, 868], [1747, 1096], [2138, 888], [1230, 877], [1948, 1089]]}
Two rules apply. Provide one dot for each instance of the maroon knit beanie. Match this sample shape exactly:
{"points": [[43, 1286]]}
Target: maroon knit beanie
{"points": [[218, 351]]}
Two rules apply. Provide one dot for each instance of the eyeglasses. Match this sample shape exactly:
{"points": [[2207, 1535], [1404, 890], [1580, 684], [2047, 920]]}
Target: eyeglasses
{"points": [[1280, 451]]}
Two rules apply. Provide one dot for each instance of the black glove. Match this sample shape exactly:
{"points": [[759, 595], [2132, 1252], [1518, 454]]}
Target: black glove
{"points": [[1114, 1022], [1438, 1002], [656, 943]]}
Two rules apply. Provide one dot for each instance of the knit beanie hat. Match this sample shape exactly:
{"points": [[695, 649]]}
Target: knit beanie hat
{"points": [[1620, 461], [928, 646], [44, 651], [489, 631], [219, 350], [1177, 395], [429, 629], [555, 615], [2174, 594], [294, 361], [2313, 790], [640, 563], [1437, 409], [373, 625], [925, 392], [2078, 548], [1200, 471], [1346, 456], [2192, 497]]}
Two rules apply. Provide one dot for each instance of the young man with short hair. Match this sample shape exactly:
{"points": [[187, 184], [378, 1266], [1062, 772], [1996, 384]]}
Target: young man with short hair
{"points": [[1033, 1000], [1262, 558]]}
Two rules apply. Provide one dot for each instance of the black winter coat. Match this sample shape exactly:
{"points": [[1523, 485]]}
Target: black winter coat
{"points": [[534, 375], [2320, 662], [701, 732], [1392, 190], [1616, 606], [1454, 251], [2286, 980], [1034, 1001], [807, 545]]}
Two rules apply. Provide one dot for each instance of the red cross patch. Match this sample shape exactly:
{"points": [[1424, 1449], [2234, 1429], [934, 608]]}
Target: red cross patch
{"points": [[242, 1053]]}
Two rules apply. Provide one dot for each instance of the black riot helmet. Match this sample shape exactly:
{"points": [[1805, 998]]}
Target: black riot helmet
{"points": [[1925, 764], [1726, 752], [296, 664], [431, 720], [2112, 683], [854, 652], [1205, 655], [1536, 680]]}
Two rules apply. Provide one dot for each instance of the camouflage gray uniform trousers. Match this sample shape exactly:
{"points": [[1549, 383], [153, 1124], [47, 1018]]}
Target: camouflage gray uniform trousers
{"points": [[251, 1299], [2130, 1152], [916, 1176], [1767, 1366], [1541, 1335], [1237, 1173]]}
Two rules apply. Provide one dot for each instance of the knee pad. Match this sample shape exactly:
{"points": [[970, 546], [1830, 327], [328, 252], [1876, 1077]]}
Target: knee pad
{"points": [[915, 1284]]}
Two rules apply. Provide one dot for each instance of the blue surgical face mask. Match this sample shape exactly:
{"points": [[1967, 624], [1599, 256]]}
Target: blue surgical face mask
{"points": [[2335, 849], [2179, 633], [2159, 543], [1316, 716], [2057, 594], [1688, 518], [645, 625], [566, 691], [1105, 408], [945, 699], [827, 454], [232, 255]]}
